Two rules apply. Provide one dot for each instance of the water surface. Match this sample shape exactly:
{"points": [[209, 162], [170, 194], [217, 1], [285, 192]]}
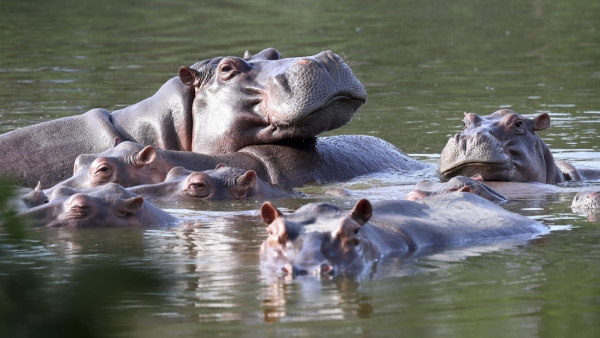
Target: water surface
{"points": [[423, 63]]}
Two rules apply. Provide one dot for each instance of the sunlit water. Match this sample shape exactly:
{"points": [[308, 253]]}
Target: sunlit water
{"points": [[424, 64]]}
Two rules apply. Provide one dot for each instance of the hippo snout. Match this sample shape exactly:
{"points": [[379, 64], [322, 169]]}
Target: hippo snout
{"points": [[477, 153], [323, 269]]}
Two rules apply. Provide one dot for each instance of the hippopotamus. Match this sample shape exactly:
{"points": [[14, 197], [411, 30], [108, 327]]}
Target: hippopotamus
{"points": [[216, 106], [221, 183], [107, 206], [587, 203], [504, 146], [321, 239], [473, 185], [587, 200], [321, 160]]}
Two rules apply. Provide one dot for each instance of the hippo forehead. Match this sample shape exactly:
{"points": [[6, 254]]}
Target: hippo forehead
{"points": [[314, 217]]}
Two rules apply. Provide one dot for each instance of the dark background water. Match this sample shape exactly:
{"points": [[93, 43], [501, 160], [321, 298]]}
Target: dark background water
{"points": [[423, 63]]}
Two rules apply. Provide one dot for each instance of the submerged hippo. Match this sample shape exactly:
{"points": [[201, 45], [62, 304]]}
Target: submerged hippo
{"points": [[326, 159], [221, 183], [503, 146], [320, 238], [216, 106], [473, 185], [108, 206]]}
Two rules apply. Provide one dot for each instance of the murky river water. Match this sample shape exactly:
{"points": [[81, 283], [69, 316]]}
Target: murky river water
{"points": [[423, 63]]}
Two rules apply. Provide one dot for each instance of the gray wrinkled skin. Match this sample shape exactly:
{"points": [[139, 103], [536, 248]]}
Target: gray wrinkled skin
{"points": [[320, 239], [502, 146]]}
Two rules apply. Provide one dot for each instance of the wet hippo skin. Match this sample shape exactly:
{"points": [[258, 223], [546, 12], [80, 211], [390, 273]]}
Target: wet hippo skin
{"points": [[321, 239]]}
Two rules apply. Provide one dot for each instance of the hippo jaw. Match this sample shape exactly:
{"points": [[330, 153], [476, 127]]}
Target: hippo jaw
{"points": [[264, 99]]}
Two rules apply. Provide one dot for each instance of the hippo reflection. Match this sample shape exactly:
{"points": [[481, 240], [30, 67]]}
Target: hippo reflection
{"points": [[321, 239], [107, 206]]}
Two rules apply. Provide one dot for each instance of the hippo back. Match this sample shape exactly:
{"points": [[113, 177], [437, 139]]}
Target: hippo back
{"points": [[452, 219]]}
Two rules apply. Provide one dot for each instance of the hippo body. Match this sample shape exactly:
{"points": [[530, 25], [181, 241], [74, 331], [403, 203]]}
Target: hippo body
{"points": [[222, 183], [216, 106], [325, 159], [107, 206], [320, 238]]}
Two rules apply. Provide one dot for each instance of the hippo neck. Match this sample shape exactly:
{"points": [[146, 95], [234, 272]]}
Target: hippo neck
{"points": [[553, 173], [166, 122]]}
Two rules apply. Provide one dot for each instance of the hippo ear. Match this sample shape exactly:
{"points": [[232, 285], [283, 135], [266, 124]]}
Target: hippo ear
{"points": [[116, 141], [541, 122], [362, 211], [247, 54], [38, 186], [269, 213], [347, 232], [221, 165], [145, 156], [130, 206], [188, 76], [248, 180]]}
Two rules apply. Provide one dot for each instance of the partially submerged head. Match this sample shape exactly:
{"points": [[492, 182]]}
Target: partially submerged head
{"points": [[317, 239], [263, 98], [502, 146], [109, 205], [473, 185], [126, 163], [221, 183]]}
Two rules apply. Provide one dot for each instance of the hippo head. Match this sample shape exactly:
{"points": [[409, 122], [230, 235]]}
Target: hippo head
{"points": [[317, 239], [107, 206], [586, 201], [473, 185], [502, 146], [127, 163], [222, 183], [263, 99]]}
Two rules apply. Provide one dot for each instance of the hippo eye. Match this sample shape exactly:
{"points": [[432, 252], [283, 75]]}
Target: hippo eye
{"points": [[519, 124], [199, 189], [103, 171], [227, 71]]}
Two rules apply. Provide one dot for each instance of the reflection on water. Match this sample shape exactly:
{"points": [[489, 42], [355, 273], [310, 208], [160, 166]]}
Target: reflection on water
{"points": [[423, 64]]}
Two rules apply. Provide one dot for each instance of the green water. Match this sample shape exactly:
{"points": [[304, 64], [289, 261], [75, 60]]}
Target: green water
{"points": [[423, 63]]}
